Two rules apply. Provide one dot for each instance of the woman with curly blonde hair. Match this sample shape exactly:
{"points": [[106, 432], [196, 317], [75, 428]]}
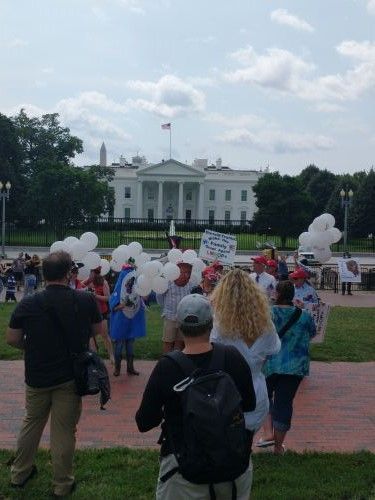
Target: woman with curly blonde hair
{"points": [[243, 319]]}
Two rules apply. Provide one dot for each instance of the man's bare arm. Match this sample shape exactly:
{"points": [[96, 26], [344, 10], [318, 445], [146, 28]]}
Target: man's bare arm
{"points": [[14, 337]]}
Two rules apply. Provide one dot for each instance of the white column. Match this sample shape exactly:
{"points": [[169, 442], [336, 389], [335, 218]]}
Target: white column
{"points": [[160, 200], [201, 201], [139, 200], [180, 214]]}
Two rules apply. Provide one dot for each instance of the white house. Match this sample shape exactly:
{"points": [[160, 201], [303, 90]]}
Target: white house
{"points": [[172, 189]]}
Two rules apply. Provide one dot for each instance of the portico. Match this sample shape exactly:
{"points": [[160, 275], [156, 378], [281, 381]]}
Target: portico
{"points": [[179, 195]]}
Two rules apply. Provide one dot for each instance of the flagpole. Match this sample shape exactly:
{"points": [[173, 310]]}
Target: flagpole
{"points": [[170, 142]]}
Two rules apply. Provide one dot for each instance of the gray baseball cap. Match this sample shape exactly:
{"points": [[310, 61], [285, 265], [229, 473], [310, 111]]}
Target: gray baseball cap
{"points": [[194, 310]]}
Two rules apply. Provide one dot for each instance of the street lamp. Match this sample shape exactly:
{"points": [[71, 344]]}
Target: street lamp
{"points": [[346, 201], [4, 193]]}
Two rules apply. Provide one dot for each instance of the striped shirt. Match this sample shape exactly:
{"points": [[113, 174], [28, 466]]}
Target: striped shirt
{"points": [[169, 300]]}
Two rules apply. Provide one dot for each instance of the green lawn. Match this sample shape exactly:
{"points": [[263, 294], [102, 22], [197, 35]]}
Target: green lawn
{"points": [[349, 336], [131, 475]]}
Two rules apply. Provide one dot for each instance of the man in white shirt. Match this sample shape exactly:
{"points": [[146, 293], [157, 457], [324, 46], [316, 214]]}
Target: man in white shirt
{"points": [[265, 281]]}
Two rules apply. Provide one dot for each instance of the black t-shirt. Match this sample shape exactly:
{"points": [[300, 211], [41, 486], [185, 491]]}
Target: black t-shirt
{"points": [[47, 359], [160, 403]]}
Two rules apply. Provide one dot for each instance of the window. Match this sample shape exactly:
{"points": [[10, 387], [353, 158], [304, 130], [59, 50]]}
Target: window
{"points": [[127, 213], [211, 216], [128, 192], [150, 195], [227, 216], [243, 216], [188, 215], [244, 195], [189, 196], [228, 195], [150, 215], [211, 195]]}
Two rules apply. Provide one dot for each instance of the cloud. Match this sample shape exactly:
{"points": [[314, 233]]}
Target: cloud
{"points": [[238, 121], [276, 141], [327, 107], [168, 97], [285, 72], [15, 43], [282, 16], [135, 6], [371, 6], [204, 39]]}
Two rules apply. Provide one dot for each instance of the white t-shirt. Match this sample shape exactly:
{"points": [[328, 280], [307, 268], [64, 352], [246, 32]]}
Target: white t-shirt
{"points": [[255, 356], [267, 283]]}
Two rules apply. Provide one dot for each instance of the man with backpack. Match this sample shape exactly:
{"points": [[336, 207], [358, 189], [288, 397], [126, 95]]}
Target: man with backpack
{"points": [[199, 396], [49, 326]]}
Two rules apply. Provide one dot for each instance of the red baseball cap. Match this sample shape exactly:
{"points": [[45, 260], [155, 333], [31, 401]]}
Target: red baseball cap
{"points": [[260, 259], [298, 274], [272, 263]]}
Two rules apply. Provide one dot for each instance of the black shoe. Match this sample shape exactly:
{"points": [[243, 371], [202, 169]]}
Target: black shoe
{"points": [[350, 293], [130, 366], [117, 370], [72, 489], [34, 472]]}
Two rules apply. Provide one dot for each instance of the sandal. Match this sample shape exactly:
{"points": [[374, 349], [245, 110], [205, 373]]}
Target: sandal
{"points": [[265, 443], [282, 452]]}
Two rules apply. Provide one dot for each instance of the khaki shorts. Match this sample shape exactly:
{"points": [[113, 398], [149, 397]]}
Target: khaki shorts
{"points": [[171, 332]]}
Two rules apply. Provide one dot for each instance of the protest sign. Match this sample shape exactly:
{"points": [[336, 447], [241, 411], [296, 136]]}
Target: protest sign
{"points": [[349, 270], [320, 313], [218, 246]]}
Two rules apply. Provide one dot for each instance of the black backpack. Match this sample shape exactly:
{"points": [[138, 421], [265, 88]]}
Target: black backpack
{"points": [[214, 446]]}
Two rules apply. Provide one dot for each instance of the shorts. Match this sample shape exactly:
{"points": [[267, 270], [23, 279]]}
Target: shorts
{"points": [[171, 332], [281, 391]]}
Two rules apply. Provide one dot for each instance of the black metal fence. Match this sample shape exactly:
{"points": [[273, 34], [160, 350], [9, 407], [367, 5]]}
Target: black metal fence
{"points": [[151, 234]]}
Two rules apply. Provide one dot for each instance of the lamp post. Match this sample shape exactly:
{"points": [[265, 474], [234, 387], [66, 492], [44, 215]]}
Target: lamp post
{"points": [[346, 201], [4, 193]]}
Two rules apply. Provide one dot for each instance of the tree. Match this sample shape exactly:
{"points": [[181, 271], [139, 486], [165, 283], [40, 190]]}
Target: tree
{"points": [[66, 195], [284, 208], [11, 159], [320, 188], [44, 139], [363, 209], [308, 173]]}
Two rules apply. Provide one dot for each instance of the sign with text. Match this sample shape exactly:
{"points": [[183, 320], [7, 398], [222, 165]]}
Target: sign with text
{"points": [[320, 313], [218, 246], [349, 270]]}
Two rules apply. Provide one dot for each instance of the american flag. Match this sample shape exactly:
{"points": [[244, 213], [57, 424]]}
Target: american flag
{"points": [[166, 126]]}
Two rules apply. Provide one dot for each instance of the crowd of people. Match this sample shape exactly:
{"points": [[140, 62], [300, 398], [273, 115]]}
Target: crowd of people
{"points": [[251, 326]]}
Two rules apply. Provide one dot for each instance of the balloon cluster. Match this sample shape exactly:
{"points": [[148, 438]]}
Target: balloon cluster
{"points": [[176, 256], [81, 251], [320, 235]]}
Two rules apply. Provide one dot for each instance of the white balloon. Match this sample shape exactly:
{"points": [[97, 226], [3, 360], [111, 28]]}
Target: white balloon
{"points": [[143, 284], [92, 260], [175, 256], [116, 266], [323, 255], [335, 234], [142, 291], [70, 240], [83, 273], [159, 284], [59, 246], [198, 264], [195, 279], [319, 224], [78, 250], [304, 239], [141, 259], [105, 267], [90, 239], [135, 249], [152, 269], [121, 254], [171, 271], [329, 219], [189, 256], [321, 240]]}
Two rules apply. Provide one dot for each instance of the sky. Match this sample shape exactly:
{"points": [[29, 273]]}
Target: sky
{"points": [[278, 83]]}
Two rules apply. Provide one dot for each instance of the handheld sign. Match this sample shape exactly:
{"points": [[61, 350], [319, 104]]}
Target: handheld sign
{"points": [[218, 246], [349, 270]]}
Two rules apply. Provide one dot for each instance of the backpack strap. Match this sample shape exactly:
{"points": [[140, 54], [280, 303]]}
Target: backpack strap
{"points": [[218, 356], [183, 361], [293, 319]]}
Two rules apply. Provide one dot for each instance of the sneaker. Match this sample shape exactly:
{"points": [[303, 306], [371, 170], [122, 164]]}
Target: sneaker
{"points": [[34, 472]]}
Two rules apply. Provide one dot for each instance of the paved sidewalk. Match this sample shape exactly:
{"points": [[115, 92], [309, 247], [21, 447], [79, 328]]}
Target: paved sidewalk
{"points": [[358, 299], [333, 411]]}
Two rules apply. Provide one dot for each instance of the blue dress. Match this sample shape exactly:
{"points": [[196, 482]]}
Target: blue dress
{"points": [[129, 323]]}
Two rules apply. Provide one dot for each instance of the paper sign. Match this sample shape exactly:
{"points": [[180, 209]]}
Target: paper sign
{"points": [[320, 313], [349, 270], [218, 246]]}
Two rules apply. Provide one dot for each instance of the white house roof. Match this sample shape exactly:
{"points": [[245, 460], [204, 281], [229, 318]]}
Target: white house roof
{"points": [[170, 168]]}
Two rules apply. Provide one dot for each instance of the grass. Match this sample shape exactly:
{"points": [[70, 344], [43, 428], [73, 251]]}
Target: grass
{"points": [[121, 473], [349, 336]]}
